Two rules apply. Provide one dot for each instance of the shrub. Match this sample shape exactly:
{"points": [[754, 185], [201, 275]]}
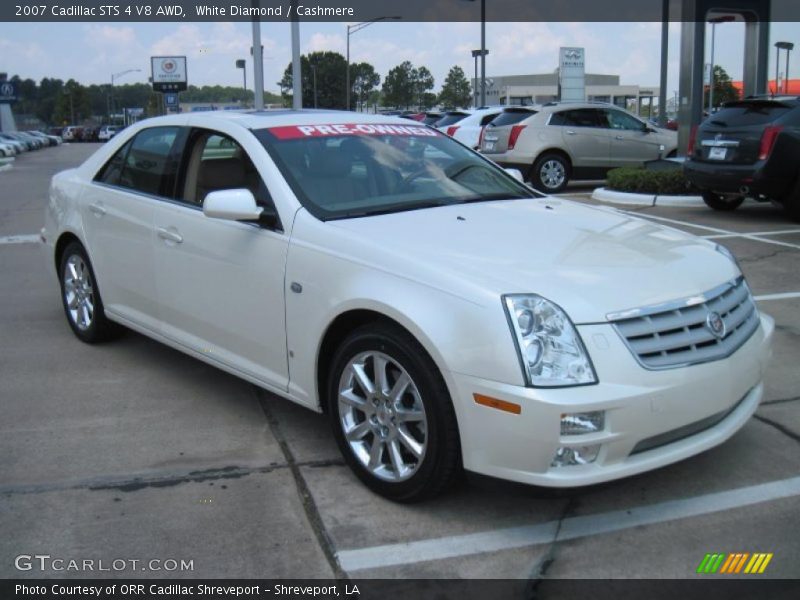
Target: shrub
{"points": [[642, 181]]}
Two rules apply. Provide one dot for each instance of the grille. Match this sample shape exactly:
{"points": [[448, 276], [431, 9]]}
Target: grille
{"points": [[675, 334]]}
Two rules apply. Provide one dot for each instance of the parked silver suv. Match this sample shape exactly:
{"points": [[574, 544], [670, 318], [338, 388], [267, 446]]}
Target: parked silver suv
{"points": [[558, 141]]}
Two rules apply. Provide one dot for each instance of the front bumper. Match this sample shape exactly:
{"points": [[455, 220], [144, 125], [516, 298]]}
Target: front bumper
{"points": [[642, 407]]}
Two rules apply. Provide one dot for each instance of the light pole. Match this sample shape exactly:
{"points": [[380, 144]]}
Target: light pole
{"points": [[788, 46], [475, 54], [351, 29], [314, 74], [114, 77], [483, 51], [714, 21]]}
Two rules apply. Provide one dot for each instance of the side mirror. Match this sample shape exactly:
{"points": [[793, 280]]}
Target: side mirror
{"points": [[232, 205], [516, 174]]}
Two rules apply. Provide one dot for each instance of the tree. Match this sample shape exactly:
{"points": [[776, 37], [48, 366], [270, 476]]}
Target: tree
{"points": [[364, 80], [422, 83], [72, 105], [456, 91], [724, 91], [331, 74], [397, 86]]}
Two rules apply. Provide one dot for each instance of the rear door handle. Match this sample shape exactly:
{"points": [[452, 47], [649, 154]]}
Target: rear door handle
{"points": [[170, 236], [619, 137], [570, 132], [97, 209]]}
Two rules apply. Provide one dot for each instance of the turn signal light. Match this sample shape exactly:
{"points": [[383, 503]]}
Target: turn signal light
{"points": [[509, 407]]}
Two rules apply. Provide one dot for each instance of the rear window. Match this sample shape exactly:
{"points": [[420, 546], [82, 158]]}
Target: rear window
{"points": [[450, 119], [746, 114], [431, 119], [510, 117]]}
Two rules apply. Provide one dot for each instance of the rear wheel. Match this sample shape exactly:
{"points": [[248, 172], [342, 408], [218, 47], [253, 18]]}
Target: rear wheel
{"points": [[723, 202], [81, 298], [391, 414], [550, 173]]}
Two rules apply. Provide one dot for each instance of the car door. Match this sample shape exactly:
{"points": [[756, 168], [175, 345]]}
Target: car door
{"points": [[220, 283], [118, 222], [632, 141], [584, 136]]}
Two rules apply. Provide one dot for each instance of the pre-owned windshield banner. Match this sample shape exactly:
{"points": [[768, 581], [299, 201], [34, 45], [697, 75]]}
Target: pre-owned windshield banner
{"points": [[294, 132], [354, 11]]}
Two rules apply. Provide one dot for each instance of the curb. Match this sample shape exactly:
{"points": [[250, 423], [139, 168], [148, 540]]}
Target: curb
{"points": [[605, 195]]}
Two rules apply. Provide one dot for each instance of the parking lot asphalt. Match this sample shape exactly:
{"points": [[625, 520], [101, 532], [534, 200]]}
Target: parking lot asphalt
{"points": [[131, 450]]}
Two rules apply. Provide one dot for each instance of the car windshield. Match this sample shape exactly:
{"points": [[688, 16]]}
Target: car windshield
{"points": [[342, 171]]}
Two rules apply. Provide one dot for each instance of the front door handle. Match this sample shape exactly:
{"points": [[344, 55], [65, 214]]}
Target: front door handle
{"points": [[98, 209], [570, 132], [169, 235], [619, 137]]}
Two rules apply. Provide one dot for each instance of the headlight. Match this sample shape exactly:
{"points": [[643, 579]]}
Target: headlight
{"points": [[550, 349]]}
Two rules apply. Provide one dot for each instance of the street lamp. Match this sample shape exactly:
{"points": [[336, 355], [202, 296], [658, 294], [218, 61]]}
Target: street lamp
{"points": [[114, 77], [475, 55], [241, 64], [351, 29], [714, 21], [788, 46]]}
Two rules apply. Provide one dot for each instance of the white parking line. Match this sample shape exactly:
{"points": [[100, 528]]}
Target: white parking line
{"points": [[20, 239], [727, 235], [571, 528], [723, 232], [782, 296]]}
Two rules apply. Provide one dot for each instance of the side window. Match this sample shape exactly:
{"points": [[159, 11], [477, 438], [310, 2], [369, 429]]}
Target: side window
{"points": [[150, 166], [581, 117], [112, 170], [620, 120], [217, 162]]}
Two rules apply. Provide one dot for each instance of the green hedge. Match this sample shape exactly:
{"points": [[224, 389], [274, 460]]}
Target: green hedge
{"points": [[642, 181]]}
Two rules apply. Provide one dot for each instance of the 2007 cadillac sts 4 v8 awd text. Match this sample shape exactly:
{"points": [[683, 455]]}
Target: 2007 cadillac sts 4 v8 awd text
{"points": [[443, 314]]}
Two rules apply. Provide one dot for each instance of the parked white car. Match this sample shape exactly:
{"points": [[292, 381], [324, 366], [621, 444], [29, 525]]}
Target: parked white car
{"points": [[7, 150], [443, 314], [106, 133], [469, 129]]}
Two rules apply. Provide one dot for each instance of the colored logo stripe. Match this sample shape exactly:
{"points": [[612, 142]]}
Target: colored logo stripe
{"points": [[733, 563]]}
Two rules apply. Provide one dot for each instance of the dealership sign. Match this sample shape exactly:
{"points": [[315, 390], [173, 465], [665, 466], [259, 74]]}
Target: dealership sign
{"points": [[571, 74], [8, 92], [168, 73]]}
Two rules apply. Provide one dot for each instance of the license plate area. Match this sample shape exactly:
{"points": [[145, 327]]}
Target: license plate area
{"points": [[717, 153]]}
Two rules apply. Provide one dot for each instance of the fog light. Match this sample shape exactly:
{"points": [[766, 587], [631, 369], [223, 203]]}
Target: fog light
{"points": [[583, 423], [580, 455]]}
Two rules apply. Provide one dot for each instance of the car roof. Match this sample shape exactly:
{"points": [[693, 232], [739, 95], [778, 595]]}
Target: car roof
{"points": [[253, 119]]}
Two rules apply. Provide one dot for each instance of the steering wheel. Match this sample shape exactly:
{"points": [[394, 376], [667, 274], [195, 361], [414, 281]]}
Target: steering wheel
{"points": [[416, 173]]}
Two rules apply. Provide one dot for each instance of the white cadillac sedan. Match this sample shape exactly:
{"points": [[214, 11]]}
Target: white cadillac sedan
{"points": [[444, 315]]}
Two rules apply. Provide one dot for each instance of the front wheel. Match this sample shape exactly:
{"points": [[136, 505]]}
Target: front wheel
{"points": [[392, 416], [550, 173], [81, 298], [723, 202]]}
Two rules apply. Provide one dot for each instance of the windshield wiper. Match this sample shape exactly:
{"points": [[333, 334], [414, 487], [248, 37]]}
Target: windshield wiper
{"points": [[489, 198], [367, 212]]}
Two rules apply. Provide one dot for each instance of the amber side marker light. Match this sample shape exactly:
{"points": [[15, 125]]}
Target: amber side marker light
{"points": [[498, 404]]}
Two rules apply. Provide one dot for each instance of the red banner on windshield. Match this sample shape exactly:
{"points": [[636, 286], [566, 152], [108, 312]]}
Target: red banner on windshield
{"points": [[293, 132]]}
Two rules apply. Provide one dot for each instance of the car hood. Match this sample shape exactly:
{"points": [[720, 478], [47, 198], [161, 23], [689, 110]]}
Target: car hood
{"points": [[591, 261]]}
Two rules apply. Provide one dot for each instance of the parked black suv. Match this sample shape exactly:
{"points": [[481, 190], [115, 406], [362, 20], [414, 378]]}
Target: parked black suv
{"points": [[748, 149]]}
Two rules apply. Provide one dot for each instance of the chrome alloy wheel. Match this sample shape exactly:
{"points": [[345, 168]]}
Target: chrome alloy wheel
{"points": [[552, 174], [382, 416], [78, 292]]}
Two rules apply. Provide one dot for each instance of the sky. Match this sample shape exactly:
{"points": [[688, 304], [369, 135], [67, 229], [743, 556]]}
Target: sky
{"points": [[92, 52]]}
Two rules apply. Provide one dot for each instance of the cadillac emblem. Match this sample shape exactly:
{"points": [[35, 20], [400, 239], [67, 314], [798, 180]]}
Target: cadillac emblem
{"points": [[715, 325]]}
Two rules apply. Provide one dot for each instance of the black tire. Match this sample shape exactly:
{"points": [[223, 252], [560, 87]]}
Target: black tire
{"points": [[97, 328], [791, 205], [722, 202], [550, 173], [440, 463]]}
